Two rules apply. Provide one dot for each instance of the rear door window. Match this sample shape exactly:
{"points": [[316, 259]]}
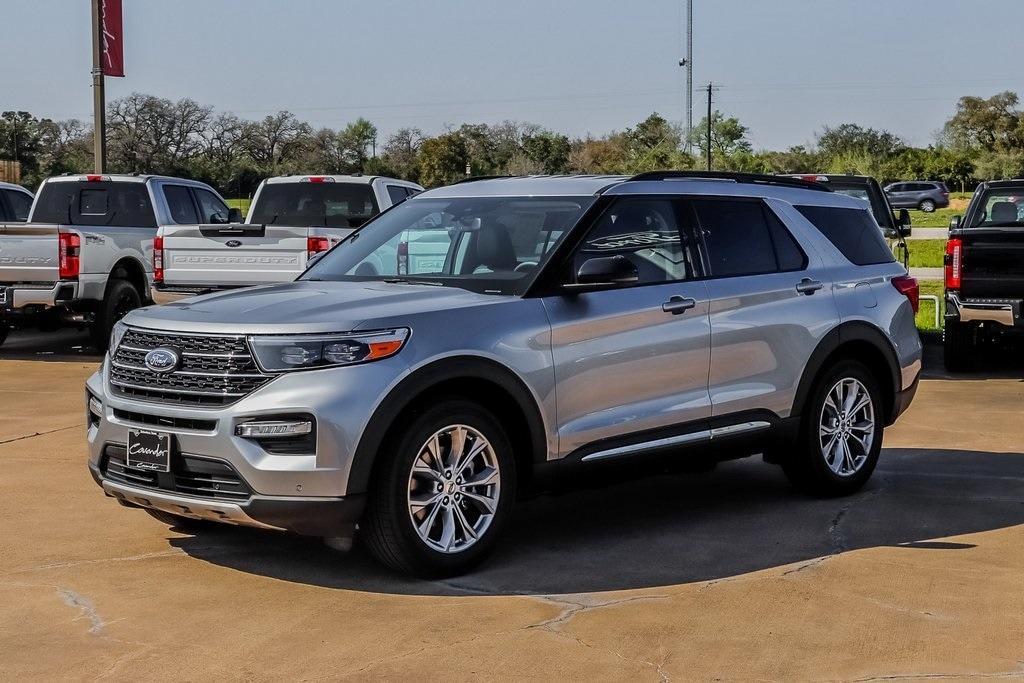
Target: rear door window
{"points": [[743, 237], [180, 204], [852, 231], [211, 208], [20, 204]]}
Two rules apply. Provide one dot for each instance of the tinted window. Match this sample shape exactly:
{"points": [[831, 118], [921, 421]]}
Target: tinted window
{"points": [[211, 208], [1002, 207], [336, 205], [397, 194], [645, 231], [20, 203], [116, 204], [788, 253], [179, 201], [896, 188], [852, 231], [738, 237]]}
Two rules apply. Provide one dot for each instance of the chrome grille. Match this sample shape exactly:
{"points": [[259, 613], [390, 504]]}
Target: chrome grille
{"points": [[215, 370]]}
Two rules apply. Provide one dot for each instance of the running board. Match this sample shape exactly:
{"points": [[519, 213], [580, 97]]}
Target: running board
{"points": [[680, 440]]}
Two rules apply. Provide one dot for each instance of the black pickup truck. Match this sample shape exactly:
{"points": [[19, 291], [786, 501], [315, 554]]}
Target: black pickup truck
{"points": [[984, 271]]}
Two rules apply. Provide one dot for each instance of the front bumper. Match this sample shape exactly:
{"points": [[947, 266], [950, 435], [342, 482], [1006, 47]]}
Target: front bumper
{"points": [[306, 493], [310, 517]]}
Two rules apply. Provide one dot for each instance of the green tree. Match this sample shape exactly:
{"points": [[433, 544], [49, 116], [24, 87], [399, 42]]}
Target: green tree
{"points": [[994, 125], [443, 159], [850, 138], [728, 136]]}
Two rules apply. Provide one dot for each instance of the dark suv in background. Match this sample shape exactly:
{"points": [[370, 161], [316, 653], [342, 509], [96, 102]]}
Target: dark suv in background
{"points": [[924, 195]]}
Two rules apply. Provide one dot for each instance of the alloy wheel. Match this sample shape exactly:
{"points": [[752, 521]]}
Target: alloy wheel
{"points": [[454, 487], [846, 428]]}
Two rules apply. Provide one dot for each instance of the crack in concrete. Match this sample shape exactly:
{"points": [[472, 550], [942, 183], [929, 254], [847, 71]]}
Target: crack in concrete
{"points": [[574, 607], [85, 607], [101, 560], [945, 676], [32, 436], [836, 537]]}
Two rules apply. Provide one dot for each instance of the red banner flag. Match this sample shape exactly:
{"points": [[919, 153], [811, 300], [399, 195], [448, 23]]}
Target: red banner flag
{"points": [[112, 59]]}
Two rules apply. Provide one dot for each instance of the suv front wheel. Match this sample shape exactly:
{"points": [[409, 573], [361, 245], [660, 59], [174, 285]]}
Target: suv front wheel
{"points": [[444, 491], [841, 433], [928, 206]]}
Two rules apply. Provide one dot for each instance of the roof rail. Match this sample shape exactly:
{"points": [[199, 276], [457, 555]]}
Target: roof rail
{"points": [[473, 179], [755, 178]]}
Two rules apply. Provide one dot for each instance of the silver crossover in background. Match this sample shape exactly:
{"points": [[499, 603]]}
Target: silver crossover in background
{"points": [[479, 339]]}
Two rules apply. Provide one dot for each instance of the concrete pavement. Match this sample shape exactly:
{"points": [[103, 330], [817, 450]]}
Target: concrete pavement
{"points": [[721, 575]]}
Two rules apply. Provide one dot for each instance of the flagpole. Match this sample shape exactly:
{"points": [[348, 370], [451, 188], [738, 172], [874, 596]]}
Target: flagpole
{"points": [[98, 97]]}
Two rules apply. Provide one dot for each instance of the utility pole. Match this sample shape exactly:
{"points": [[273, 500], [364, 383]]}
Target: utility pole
{"points": [[689, 74], [708, 149], [98, 99]]}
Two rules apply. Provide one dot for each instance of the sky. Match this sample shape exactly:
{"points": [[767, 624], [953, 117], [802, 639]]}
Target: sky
{"points": [[786, 68]]}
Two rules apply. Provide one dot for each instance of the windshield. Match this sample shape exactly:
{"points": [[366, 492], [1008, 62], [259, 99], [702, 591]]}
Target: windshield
{"points": [[1001, 208], [484, 244], [306, 204]]}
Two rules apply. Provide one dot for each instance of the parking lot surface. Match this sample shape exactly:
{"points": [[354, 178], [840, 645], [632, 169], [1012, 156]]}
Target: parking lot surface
{"points": [[728, 574]]}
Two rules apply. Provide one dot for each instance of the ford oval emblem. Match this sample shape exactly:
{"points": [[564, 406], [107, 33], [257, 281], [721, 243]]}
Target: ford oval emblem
{"points": [[162, 360], [232, 243]]}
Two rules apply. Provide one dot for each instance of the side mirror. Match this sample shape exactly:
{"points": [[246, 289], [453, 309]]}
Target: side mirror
{"points": [[903, 223], [235, 216], [954, 223], [607, 271]]}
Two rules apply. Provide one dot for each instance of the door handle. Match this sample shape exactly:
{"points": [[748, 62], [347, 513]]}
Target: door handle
{"points": [[677, 304], [808, 286]]}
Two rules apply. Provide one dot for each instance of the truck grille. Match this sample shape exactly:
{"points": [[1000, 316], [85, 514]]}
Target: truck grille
{"points": [[215, 370], [202, 477]]}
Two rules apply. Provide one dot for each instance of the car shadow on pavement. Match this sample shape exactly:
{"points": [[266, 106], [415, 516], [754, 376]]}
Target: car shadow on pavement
{"points": [[61, 345], [991, 362], [675, 529]]}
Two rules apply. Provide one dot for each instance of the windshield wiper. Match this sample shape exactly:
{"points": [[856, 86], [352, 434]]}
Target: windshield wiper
{"points": [[406, 281]]}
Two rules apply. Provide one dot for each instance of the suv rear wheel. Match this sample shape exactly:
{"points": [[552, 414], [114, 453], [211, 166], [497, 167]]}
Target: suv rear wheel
{"points": [[927, 205], [121, 299], [841, 433], [444, 492]]}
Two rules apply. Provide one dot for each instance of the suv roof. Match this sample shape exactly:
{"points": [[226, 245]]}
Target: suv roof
{"points": [[13, 186], [119, 178]]}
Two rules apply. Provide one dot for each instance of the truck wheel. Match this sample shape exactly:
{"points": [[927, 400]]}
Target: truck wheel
{"points": [[121, 298], [958, 346], [177, 521], [444, 491], [928, 206], [840, 433]]}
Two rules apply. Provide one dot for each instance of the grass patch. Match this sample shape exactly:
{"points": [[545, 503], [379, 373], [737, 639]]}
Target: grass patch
{"points": [[926, 313], [240, 204], [936, 219], [926, 253]]}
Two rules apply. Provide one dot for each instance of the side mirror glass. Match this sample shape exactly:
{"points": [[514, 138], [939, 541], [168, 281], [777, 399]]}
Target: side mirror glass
{"points": [[235, 216], [954, 223], [607, 270]]}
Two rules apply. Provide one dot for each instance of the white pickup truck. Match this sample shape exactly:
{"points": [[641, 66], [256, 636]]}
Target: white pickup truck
{"points": [[84, 257], [291, 219]]}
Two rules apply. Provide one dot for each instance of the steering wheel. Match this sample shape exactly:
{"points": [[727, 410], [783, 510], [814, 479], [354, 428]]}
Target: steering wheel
{"points": [[525, 266]]}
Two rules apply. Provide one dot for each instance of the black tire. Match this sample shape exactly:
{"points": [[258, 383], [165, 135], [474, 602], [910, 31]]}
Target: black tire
{"points": [[807, 466], [927, 205], [120, 299], [388, 525], [4, 331], [179, 522], [958, 346]]}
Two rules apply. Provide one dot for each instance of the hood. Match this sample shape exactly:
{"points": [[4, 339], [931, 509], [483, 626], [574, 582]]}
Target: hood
{"points": [[305, 307]]}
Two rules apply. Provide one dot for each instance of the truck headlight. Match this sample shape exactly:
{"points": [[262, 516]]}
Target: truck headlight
{"points": [[116, 334], [280, 353]]}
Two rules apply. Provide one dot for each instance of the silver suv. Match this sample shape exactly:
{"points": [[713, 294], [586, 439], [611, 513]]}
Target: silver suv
{"points": [[477, 340]]}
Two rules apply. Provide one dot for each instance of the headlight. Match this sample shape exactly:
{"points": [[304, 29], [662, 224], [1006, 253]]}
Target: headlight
{"points": [[278, 353], [116, 334]]}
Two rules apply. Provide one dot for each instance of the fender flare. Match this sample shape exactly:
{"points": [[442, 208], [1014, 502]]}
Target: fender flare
{"points": [[434, 374], [853, 331]]}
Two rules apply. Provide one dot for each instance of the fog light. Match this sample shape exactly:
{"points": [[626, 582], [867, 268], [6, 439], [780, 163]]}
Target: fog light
{"points": [[271, 430], [95, 407]]}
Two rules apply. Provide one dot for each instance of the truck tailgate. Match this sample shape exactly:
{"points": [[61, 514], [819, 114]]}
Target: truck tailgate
{"points": [[232, 255], [28, 252], [993, 264]]}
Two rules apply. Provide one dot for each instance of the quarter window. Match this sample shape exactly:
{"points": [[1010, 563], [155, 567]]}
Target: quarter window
{"points": [[852, 231], [179, 201], [743, 238], [645, 231], [397, 194]]}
